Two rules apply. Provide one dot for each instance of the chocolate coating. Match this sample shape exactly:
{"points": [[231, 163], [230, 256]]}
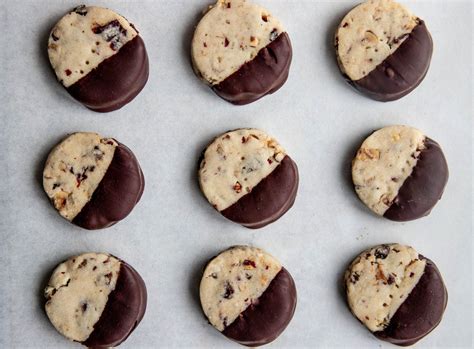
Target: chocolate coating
{"points": [[117, 193], [124, 310], [401, 72], [269, 200], [263, 321], [421, 312], [263, 75], [116, 81], [423, 188]]}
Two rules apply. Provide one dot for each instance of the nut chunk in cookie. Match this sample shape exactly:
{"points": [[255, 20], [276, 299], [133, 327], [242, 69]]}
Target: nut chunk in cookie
{"points": [[396, 293], [241, 50], [247, 295], [383, 50], [95, 299], [399, 173], [247, 176], [92, 181], [98, 57]]}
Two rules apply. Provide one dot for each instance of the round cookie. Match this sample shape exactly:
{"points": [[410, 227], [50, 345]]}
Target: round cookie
{"points": [[92, 181], [396, 293], [98, 57], [241, 51], [383, 50], [399, 173], [247, 176], [247, 295], [95, 299]]}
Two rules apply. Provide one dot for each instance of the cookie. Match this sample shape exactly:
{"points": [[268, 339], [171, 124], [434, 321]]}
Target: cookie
{"points": [[399, 173], [383, 50], [92, 181], [247, 176], [247, 295], [95, 299], [98, 57], [396, 293], [241, 51]]}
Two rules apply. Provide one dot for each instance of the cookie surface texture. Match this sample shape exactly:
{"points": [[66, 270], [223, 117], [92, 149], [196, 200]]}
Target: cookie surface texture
{"points": [[241, 50]]}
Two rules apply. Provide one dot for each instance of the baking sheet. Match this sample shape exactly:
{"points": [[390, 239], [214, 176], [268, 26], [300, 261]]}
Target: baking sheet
{"points": [[316, 116]]}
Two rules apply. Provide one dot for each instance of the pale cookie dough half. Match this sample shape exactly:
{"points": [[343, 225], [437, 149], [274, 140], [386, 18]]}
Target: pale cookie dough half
{"points": [[396, 293], [95, 299], [370, 33], [84, 38], [246, 175], [235, 162], [74, 169], [241, 51], [383, 49], [233, 280], [78, 291], [247, 295], [379, 281], [399, 173]]}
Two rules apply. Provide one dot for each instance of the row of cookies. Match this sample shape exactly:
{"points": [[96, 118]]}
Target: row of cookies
{"points": [[98, 300], [246, 175], [240, 50]]}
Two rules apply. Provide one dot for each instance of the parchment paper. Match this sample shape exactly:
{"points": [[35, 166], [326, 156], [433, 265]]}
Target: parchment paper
{"points": [[172, 232]]}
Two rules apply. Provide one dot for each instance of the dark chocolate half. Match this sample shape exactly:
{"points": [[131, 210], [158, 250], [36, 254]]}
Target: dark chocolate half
{"points": [[263, 75], [401, 72], [123, 311], [117, 193], [421, 312], [269, 200], [423, 188], [264, 320], [116, 81]]}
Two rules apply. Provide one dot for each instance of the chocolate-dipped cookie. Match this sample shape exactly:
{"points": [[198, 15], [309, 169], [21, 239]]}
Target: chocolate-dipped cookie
{"points": [[92, 181], [95, 299], [241, 51], [247, 295], [396, 293], [383, 50], [247, 176], [98, 57], [399, 173]]}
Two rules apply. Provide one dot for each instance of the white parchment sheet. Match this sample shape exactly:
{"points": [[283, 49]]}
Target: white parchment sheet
{"points": [[172, 232]]}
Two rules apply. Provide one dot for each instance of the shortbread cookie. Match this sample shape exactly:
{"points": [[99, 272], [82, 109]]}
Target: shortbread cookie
{"points": [[247, 295], [92, 181], [247, 176], [383, 50], [241, 51], [95, 299], [399, 173], [396, 293], [99, 57]]}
